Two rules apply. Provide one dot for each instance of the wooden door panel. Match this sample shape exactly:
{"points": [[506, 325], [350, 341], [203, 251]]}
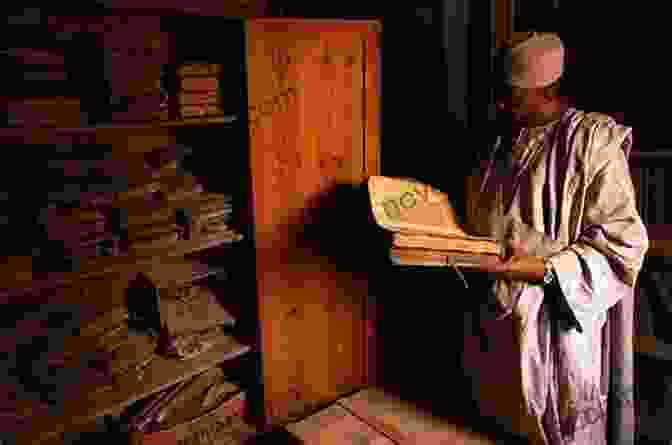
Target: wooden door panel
{"points": [[332, 79], [306, 88], [306, 116]]}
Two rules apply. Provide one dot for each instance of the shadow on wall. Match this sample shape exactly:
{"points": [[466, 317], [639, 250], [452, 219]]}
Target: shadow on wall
{"points": [[340, 228]]}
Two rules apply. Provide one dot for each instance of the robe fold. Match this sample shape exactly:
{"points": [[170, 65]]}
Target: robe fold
{"points": [[564, 353]]}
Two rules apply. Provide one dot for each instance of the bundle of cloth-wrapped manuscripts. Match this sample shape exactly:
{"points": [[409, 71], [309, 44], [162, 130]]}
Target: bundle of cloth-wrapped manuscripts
{"points": [[64, 352], [114, 205], [423, 225], [182, 409], [199, 92]]}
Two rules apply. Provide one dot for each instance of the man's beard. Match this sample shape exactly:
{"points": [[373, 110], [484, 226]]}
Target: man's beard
{"points": [[526, 120]]}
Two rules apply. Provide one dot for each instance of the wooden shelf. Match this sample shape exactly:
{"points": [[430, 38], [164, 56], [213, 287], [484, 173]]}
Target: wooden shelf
{"points": [[651, 155], [161, 374], [660, 239], [21, 281], [173, 274], [206, 121], [650, 346], [199, 121], [660, 247], [352, 49], [224, 11]]}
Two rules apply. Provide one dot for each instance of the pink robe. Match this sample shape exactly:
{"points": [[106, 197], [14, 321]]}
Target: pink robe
{"points": [[556, 364]]}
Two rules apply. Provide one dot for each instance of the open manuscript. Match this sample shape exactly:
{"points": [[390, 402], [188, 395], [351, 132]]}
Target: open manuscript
{"points": [[424, 226]]}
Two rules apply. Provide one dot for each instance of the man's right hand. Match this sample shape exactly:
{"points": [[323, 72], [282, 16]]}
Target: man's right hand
{"points": [[532, 241]]}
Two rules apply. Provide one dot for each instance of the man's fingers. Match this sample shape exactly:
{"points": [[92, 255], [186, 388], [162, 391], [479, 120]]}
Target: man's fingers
{"points": [[511, 250], [490, 263], [516, 248]]}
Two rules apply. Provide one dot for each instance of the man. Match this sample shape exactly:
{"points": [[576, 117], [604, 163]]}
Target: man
{"points": [[549, 348]]}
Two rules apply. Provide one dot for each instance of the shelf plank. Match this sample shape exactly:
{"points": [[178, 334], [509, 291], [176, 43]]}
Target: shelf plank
{"points": [[172, 274], [660, 240], [660, 247], [160, 375], [650, 346], [215, 120], [651, 155], [199, 121], [20, 281]]}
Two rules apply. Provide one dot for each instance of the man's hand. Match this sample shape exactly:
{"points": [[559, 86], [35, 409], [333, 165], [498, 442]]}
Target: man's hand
{"points": [[517, 264]]}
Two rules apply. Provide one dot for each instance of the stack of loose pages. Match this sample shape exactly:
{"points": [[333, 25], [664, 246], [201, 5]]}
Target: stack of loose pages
{"points": [[423, 224]]}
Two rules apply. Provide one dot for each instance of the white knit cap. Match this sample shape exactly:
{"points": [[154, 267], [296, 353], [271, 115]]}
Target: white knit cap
{"points": [[537, 61]]}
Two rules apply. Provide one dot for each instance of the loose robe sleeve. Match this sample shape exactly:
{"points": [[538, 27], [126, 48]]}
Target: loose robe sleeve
{"points": [[596, 270]]}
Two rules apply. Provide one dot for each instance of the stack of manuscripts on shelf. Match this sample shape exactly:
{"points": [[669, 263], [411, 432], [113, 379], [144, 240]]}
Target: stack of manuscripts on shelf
{"points": [[107, 211], [423, 225], [40, 84], [199, 93], [144, 203], [210, 405], [79, 362], [56, 111], [207, 409]]}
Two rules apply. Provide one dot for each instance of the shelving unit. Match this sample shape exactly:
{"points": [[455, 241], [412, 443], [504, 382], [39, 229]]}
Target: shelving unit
{"points": [[125, 126], [163, 373], [282, 157], [650, 188], [648, 169], [96, 267]]}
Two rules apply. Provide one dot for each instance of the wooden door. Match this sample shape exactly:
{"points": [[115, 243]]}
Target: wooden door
{"points": [[313, 96]]}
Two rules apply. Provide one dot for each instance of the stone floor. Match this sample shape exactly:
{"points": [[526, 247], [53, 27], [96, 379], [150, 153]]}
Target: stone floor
{"points": [[379, 417]]}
